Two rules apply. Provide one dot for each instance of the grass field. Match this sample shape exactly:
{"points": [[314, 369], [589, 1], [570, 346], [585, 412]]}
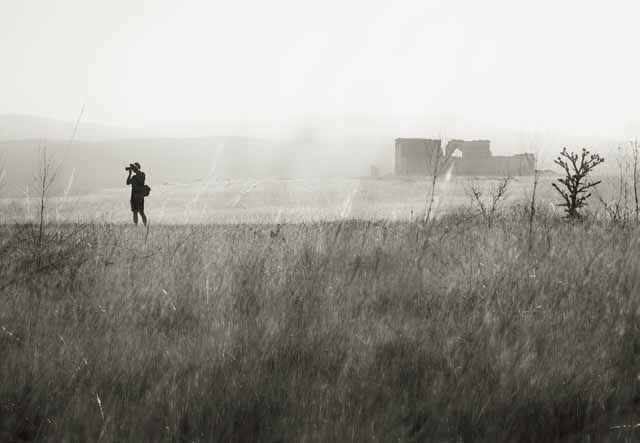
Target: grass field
{"points": [[273, 200], [463, 328]]}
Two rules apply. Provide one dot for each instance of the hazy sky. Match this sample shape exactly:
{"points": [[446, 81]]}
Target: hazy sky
{"points": [[390, 66]]}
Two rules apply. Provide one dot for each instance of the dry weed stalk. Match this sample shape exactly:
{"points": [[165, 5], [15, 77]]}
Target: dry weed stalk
{"points": [[434, 180], [635, 151], [532, 207], [3, 173]]}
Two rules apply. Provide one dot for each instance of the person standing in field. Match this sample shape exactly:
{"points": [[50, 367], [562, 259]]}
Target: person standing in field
{"points": [[138, 191]]}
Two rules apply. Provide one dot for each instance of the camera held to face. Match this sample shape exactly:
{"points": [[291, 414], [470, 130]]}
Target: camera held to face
{"points": [[130, 168]]}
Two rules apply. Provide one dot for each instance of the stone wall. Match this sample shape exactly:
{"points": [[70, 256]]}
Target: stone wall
{"points": [[504, 166], [469, 149], [416, 156]]}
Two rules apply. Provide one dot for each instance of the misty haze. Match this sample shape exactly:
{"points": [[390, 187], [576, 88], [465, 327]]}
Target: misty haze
{"points": [[330, 221]]}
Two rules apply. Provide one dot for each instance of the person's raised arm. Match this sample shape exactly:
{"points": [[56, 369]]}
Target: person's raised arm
{"points": [[129, 180]]}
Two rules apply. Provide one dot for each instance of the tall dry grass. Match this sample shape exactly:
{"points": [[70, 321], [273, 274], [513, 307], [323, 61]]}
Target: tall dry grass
{"points": [[457, 330]]}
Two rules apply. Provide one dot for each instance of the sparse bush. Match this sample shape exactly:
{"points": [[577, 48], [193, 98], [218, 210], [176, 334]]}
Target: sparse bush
{"points": [[616, 207], [489, 208], [619, 210], [576, 168]]}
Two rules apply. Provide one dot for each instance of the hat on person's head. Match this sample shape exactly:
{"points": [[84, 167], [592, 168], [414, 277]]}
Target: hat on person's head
{"points": [[138, 165]]}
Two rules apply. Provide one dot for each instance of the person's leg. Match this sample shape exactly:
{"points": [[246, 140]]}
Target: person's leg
{"points": [[144, 218], [133, 210]]}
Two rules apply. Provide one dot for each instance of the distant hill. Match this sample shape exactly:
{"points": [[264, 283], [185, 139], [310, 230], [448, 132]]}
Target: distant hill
{"points": [[88, 166], [28, 127], [97, 157]]}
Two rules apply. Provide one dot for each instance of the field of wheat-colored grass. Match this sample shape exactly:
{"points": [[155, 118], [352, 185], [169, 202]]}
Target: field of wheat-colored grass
{"points": [[272, 200], [462, 328]]}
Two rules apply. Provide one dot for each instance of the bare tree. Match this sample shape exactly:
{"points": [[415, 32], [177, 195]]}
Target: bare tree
{"points": [[576, 168], [45, 178]]}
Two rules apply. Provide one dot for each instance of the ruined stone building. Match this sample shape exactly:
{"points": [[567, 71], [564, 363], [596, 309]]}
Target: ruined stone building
{"points": [[416, 156]]}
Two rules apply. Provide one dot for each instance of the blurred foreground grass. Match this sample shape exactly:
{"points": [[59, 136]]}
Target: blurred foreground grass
{"points": [[344, 331]]}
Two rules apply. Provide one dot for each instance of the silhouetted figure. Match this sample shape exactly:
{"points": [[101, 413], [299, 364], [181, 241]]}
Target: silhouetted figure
{"points": [[137, 192]]}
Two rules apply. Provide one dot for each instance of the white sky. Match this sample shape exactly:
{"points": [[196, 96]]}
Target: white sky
{"points": [[391, 66]]}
